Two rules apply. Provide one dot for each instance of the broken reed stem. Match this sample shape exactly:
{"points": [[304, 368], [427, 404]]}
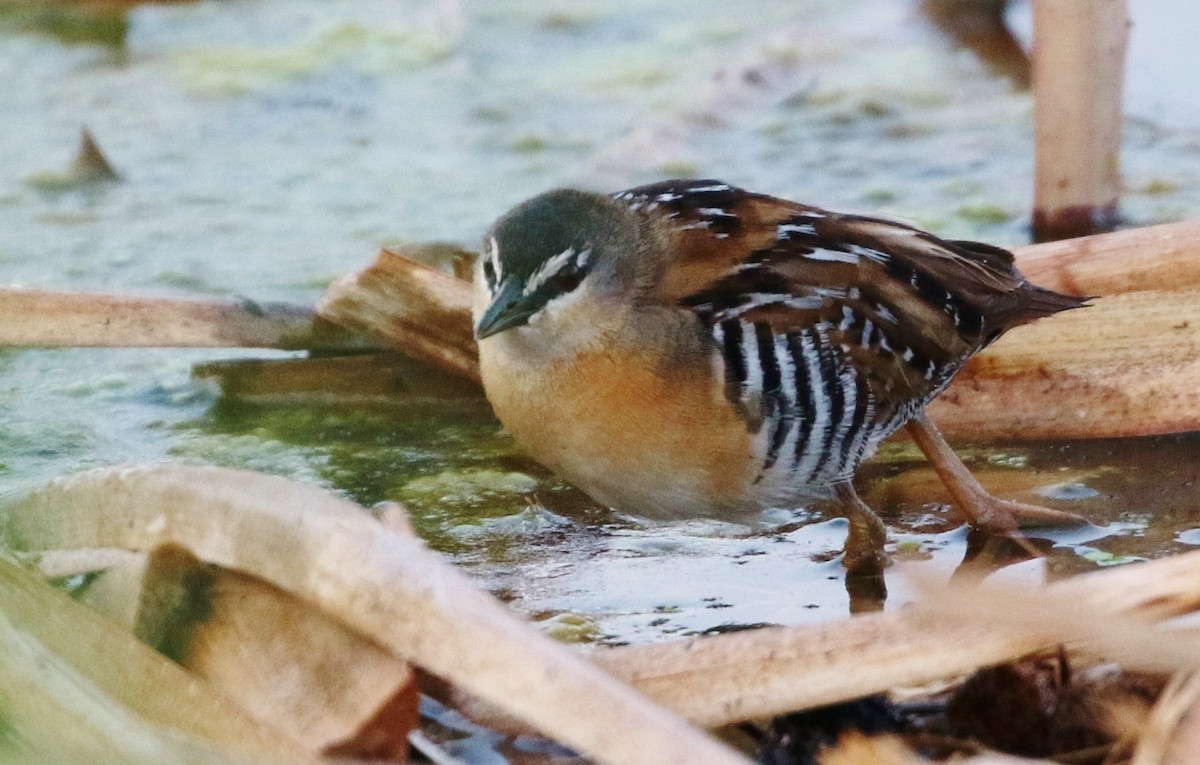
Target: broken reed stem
{"points": [[1125, 366], [79, 688], [1078, 75], [723, 679], [411, 307], [37, 318], [1163, 257], [979, 26], [381, 584]]}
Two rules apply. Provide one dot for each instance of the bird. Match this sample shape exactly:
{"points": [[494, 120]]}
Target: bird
{"points": [[689, 348]]}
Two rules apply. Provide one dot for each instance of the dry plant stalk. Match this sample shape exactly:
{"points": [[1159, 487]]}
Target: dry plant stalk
{"points": [[1128, 365], [266, 651], [1161, 742], [1163, 257], [1078, 77], [81, 689], [387, 587], [1082, 617], [382, 584], [725, 679], [857, 749], [376, 378], [979, 26], [37, 318], [722, 679]]}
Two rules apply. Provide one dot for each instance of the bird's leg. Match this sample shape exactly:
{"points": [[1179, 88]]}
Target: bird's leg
{"points": [[867, 535], [1002, 516], [864, 557]]}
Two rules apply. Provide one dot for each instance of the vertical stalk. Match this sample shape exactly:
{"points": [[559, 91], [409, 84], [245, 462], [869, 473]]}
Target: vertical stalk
{"points": [[1078, 75]]}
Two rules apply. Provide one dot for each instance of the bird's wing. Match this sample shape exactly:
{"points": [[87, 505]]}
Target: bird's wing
{"points": [[852, 304], [757, 258]]}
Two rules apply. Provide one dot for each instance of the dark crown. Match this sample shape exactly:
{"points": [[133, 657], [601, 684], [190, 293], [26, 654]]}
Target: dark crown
{"points": [[542, 249], [536, 231]]}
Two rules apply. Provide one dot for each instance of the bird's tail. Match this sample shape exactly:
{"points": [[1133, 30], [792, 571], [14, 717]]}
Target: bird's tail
{"points": [[1038, 302]]}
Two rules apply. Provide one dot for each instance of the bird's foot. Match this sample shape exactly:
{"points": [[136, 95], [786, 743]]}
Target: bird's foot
{"points": [[1006, 516], [867, 535], [865, 542], [983, 510]]}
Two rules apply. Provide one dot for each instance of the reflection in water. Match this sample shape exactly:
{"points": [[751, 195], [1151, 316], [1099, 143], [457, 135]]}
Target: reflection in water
{"points": [[642, 583], [553, 552], [866, 588], [561, 558]]}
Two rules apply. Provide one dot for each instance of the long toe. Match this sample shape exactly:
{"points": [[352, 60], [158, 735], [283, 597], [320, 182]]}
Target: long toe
{"points": [[1005, 516]]}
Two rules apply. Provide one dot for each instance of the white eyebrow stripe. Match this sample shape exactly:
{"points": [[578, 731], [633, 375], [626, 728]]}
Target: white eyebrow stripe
{"points": [[493, 254], [553, 265]]}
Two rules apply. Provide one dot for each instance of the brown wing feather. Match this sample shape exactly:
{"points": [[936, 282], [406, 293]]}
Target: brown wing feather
{"points": [[904, 306], [730, 244]]}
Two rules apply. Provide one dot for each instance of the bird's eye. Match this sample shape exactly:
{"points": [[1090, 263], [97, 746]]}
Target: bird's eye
{"points": [[489, 272], [565, 280]]}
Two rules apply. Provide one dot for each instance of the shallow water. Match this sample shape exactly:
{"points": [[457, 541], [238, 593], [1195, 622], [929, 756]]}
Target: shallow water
{"points": [[267, 148]]}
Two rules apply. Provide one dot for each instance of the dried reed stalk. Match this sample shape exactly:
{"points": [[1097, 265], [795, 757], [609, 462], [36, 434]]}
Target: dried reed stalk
{"points": [[376, 378], [858, 749], [61, 319], [1128, 365], [1078, 76], [979, 26], [267, 652], [380, 583], [1169, 718], [386, 586], [79, 688], [1163, 257], [723, 679]]}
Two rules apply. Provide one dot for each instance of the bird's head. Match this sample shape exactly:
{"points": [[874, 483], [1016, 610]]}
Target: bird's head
{"points": [[549, 254]]}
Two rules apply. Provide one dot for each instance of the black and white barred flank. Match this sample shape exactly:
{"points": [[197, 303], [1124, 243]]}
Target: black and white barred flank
{"points": [[811, 409], [807, 363]]}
